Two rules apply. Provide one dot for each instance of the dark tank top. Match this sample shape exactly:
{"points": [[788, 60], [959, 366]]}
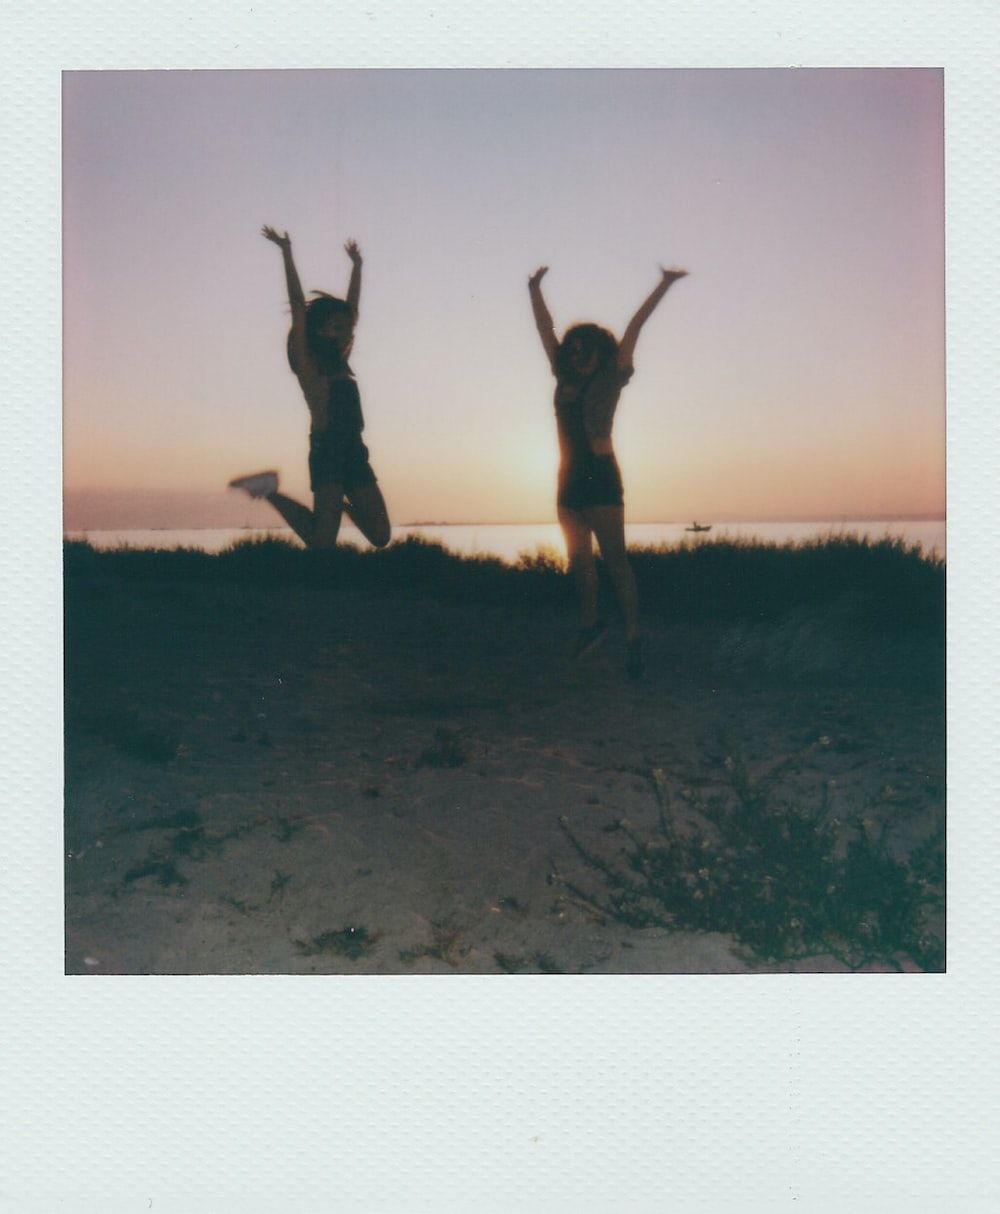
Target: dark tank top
{"points": [[344, 419], [573, 442]]}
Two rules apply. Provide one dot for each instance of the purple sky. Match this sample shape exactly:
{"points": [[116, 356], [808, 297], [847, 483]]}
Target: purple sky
{"points": [[798, 371]]}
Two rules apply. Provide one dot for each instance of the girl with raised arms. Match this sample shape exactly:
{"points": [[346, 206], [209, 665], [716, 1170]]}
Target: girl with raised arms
{"points": [[340, 476], [591, 368]]}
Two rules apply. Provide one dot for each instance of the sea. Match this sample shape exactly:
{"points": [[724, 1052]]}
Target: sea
{"points": [[509, 541]]}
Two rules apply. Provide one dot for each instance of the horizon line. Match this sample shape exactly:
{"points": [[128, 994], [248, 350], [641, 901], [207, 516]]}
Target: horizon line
{"points": [[654, 522]]}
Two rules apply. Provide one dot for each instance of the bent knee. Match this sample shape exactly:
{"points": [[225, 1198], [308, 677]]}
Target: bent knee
{"points": [[380, 539]]}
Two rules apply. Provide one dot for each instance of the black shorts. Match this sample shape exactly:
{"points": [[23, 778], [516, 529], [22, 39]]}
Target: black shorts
{"points": [[334, 460], [590, 480]]}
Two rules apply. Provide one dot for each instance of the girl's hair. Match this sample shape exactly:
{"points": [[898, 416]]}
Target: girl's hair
{"points": [[318, 312], [594, 340]]}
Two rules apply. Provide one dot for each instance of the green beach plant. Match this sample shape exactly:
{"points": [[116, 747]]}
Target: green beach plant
{"points": [[350, 942], [788, 882], [446, 944]]}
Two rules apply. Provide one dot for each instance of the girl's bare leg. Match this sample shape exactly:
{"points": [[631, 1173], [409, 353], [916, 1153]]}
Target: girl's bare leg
{"points": [[295, 515], [608, 524], [320, 527], [328, 508], [580, 553], [316, 528], [365, 507]]}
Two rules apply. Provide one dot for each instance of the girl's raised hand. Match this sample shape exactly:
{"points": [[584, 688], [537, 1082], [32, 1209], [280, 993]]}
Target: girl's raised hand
{"points": [[283, 242], [538, 275], [672, 274], [353, 252]]}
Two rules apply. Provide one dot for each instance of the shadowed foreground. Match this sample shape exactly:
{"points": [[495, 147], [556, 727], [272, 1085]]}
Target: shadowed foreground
{"points": [[289, 762]]}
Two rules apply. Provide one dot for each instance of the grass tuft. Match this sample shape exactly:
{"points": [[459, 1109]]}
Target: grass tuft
{"points": [[446, 945], [786, 881], [350, 942]]}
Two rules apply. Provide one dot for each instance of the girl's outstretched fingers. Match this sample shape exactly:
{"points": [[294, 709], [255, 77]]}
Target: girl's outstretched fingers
{"points": [[353, 252], [275, 237]]}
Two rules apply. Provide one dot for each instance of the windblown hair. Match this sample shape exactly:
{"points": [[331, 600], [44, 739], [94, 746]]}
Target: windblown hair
{"points": [[591, 338], [325, 354]]}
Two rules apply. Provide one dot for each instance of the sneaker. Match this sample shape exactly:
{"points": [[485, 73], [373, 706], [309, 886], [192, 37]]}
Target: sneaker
{"points": [[259, 484], [633, 658], [588, 639]]}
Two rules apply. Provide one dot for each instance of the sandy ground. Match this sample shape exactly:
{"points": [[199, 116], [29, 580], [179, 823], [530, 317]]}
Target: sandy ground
{"points": [[294, 780]]}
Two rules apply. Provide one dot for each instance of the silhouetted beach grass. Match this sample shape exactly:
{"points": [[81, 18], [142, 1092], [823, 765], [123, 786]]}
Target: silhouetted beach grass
{"points": [[878, 586]]}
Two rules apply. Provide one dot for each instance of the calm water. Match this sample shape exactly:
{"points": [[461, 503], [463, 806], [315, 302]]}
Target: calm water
{"points": [[508, 541]]}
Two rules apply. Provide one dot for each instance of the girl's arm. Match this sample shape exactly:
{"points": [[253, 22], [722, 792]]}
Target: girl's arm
{"points": [[626, 347], [354, 287], [543, 321], [296, 297]]}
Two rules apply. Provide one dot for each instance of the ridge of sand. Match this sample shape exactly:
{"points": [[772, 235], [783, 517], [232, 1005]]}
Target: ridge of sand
{"points": [[375, 788]]}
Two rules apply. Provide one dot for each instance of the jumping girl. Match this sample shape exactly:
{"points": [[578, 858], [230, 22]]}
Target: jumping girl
{"points": [[591, 368], [340, 476]]}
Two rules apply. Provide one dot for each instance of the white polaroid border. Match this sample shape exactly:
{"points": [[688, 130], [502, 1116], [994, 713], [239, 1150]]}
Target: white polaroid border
{"points": [[812, 1092]]}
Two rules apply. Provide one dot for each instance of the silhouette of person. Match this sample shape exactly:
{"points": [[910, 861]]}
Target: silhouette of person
{"points": [[340, 476], [591, 368]]}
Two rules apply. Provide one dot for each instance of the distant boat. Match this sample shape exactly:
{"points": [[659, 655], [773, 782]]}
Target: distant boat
{"points": [[696, 526]]}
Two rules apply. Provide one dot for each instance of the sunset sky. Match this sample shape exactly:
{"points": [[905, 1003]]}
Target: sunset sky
{"points": [[798, 372]]}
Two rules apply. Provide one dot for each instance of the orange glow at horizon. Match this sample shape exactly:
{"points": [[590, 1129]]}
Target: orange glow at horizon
{"points": [[798, 371]]}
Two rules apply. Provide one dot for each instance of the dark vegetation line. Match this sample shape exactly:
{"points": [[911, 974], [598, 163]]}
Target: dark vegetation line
{"points": [[884, 585]]}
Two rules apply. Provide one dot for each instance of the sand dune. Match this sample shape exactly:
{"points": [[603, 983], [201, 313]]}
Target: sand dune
{"points": [[319, 778]]}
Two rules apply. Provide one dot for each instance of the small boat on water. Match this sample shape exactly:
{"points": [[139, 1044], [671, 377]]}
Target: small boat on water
{"points": [[696, 526]]}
